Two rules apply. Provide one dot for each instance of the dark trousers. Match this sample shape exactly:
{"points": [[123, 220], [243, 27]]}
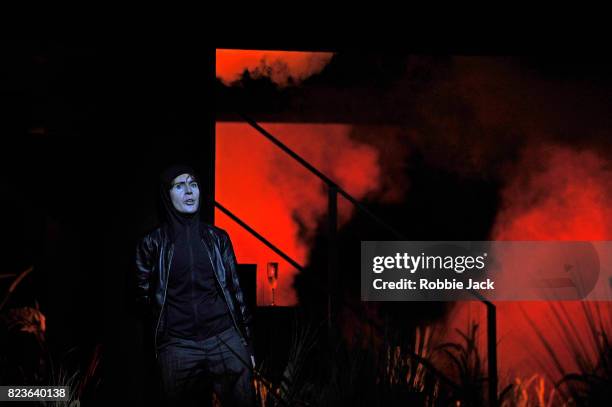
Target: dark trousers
{"points": [[190, 370]]}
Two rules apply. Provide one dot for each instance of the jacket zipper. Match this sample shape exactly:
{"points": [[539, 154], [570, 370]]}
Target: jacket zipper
{"points": [[191, 272], [164, 299]]}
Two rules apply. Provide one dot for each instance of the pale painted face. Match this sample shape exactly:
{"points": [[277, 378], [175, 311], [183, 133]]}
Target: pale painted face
{"points": [[185, 194]]}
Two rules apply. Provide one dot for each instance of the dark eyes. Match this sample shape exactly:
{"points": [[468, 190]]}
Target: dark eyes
{"points": [[192, 185]]}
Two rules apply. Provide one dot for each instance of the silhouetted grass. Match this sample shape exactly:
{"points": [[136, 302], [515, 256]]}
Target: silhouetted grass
{"points": [[469, 368], [324, 373], [535, 391], [589, 381]]}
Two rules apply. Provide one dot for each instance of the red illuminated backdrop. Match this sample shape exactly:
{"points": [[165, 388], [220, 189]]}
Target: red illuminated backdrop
{"points": [[551, 192], [554, 193], [275, 195]]}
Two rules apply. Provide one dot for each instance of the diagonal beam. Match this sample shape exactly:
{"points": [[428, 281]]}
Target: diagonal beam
{"points": [[259, 236]]}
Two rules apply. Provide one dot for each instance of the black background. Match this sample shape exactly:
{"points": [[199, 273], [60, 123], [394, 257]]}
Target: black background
{"points": [[87, 126]]}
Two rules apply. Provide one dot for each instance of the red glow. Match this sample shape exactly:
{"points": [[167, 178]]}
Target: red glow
{"points": [[554, 193], [558, 194], [277, 65], [274, 194]]}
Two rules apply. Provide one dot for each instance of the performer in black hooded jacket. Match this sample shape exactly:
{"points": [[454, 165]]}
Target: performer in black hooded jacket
{"points": [[187, 279]]}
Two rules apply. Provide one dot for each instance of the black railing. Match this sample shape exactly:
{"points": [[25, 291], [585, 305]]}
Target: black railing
{"points": [[330, 184], [259, 236]]}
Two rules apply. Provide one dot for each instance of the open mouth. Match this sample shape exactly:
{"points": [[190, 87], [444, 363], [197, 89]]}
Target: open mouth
{"points": [[189, 202]]}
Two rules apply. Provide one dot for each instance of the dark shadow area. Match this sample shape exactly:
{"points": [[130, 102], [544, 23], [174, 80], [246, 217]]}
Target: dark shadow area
{"points": [[88, 128]]}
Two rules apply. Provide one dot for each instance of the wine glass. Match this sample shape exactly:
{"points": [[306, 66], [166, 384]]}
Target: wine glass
{"points": [[272, 277]]}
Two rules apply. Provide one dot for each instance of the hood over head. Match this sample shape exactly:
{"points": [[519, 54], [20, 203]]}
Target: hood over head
{"points": [[176, 220]]}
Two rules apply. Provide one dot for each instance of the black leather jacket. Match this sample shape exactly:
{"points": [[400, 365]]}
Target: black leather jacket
{"points": [[153, 260]]}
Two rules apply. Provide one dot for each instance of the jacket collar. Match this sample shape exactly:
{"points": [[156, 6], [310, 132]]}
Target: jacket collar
{"points": [[204, 231]]}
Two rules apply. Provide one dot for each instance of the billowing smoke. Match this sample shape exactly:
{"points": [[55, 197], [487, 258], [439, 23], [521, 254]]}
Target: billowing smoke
{"points": [[544, 141], [281, 67], [552, 192], [557, 193], [281, 199]]}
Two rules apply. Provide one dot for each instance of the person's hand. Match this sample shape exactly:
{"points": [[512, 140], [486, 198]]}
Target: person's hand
{"points": [[250, 350]]}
